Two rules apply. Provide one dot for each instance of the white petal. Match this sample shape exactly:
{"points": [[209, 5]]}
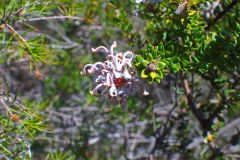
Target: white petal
{"points": [[145, 93], [117, 74], [126, 75]]}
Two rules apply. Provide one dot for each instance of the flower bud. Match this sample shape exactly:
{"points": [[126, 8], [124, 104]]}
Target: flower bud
{"points": [[151, 67]]}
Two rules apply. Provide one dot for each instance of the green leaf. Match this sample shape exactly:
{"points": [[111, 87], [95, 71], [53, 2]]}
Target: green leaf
{"points": [[159, 75], [28, 131], [155, 54], [167, 54], [176, 67], [150, 80], [144, 63], [139, 58], [229, 91], [149, 46], [238, 26], [160, 65], [175, 59], [158, 80], [4, 148], [195, 59], [161, 47], [148, 56], [185, 63], [169, 62], [129, 28], [164, 35]]}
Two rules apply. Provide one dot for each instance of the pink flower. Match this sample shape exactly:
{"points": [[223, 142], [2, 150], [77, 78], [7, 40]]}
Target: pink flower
{"points": [[115, 77]]}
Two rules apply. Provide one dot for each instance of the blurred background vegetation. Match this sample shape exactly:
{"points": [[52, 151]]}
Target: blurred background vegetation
{"points": [[47, 111]]}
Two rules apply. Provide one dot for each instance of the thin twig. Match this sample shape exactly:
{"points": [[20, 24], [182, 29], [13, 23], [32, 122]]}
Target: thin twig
{"points": [[62, 34], [223, 101], [51, 18], [220, 15], [21, 9], [6, 107], [153, 119], [14, 32], [19, 37], [64, 116], [164, 129]]}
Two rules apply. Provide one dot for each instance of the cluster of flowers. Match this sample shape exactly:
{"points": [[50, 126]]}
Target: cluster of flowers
{"points": [[116, 77]]}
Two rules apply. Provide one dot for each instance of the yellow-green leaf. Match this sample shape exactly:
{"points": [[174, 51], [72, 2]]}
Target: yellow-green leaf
{"points": [[144, 74], [145, 63]]}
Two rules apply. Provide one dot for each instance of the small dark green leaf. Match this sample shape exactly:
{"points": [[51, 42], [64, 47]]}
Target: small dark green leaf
{"points": [[159, 75], [185, 63], [176, 67], [129, 28], [139, 58], [175, 59], [157, 80], [160, 65]]}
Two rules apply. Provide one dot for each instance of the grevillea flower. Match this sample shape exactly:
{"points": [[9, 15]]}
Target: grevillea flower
{"points": [[116, 77]]}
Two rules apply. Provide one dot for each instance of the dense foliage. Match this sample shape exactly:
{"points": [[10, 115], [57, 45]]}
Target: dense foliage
{"points": [[186, 52]]}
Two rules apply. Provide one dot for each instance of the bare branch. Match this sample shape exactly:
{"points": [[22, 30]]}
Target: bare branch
{"points": [[6, 107], [190, 100], [51, 18], [14, 32]]}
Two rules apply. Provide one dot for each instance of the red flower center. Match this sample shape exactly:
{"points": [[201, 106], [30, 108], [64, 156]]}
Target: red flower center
{"points": [[119, 82]]}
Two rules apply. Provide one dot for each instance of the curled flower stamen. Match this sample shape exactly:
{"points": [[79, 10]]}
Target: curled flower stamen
{"points": [[94, 91], [100, 64], [115, 77], [128, 53], [90, 71], [114, 45], [100, 48], [100, 79], [108, 80]]}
